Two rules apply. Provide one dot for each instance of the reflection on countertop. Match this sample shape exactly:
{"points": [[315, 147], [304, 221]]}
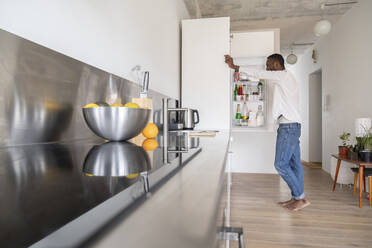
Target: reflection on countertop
{"points": [[116, 159], [44, 187]]}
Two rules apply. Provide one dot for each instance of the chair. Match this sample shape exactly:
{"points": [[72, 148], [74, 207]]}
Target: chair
{"points": [[367, 173]]}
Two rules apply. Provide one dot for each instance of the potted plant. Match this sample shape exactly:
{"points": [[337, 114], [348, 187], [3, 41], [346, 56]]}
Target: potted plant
{"points": [[365, 146], [352, 153], [343, 150]]}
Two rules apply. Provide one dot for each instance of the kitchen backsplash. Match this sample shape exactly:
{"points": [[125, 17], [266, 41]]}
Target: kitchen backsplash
{"points": [[42, 93]]}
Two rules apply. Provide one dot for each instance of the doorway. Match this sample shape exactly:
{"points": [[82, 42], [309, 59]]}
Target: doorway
{"points": [[315, 117]]}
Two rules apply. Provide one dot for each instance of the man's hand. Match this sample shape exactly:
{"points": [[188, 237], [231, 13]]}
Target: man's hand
{"points": [[230, 62]]}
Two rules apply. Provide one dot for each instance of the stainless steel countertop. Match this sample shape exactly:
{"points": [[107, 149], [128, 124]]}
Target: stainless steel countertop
{"points": [[183, 211]]}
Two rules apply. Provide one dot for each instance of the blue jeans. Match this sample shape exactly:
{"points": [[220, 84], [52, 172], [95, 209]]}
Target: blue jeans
{"points": [[287, 158]]}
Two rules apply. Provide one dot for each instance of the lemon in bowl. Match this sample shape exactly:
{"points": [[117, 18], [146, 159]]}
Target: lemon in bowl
{"points": [[96, 105], [91, 105], [131, 105], [117, 105]]}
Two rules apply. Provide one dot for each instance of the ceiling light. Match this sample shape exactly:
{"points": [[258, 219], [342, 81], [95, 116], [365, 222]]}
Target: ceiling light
{"points": [[322, 27]]}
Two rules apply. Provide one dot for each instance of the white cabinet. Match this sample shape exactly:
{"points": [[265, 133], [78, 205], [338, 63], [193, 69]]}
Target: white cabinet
{"points": [[255, 43], [205, 76]]}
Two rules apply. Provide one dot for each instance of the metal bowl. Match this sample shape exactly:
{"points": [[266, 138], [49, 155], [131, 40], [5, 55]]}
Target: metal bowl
{"points": [[116, 123], [116, 159]]}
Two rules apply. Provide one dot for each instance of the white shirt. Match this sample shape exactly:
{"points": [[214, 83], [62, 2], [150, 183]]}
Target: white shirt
{"points": [[286, 99]]}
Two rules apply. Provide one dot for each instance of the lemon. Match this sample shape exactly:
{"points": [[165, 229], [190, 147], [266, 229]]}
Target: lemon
{"points": [[150, 131], [91, 105], [102, 104], [96, 104], [88, 175], [150, 144], [131, 105], [117, 105], [131, 176]]}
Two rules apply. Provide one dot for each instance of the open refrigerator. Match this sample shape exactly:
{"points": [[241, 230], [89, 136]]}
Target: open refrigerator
{"points": [[248, 102]]}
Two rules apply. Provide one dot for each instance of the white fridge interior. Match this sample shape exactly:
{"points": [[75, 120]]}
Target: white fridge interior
{"points": [[248, 103], [252, 103]]}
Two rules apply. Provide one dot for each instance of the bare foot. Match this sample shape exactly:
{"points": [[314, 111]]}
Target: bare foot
{"points": [[298, 205], [285, 203]]}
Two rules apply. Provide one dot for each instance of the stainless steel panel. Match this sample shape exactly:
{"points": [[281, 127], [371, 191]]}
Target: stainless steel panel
{"points": [[42, 93]]}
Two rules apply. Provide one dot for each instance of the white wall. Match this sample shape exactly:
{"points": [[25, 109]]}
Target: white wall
{"points": [[315, 117], [301, 70], [112, 35], [344, 56]]}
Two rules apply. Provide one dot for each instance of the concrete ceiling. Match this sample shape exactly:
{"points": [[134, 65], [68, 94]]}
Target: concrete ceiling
{"points": [[295, 18]]}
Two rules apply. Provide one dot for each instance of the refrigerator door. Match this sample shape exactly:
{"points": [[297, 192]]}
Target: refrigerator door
{"points": [[205, 76]]}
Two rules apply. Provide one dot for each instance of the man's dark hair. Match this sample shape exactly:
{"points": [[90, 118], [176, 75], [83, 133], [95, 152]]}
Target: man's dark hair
{"points": [[277, 57]]}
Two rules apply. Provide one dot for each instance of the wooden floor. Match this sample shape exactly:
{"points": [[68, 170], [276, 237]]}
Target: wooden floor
{"points": [[312, 165], [332, 220]]}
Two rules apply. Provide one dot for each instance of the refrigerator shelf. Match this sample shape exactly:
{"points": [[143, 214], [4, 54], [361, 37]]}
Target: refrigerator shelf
{"points": [[247, 81], [247, 126], [241, 101]]}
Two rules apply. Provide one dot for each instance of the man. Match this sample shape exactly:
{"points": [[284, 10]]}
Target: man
{"points": [[286, 111]]}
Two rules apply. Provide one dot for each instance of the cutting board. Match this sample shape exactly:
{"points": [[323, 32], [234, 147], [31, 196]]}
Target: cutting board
{"points": [[203, 133], [138, 140], [145, 103]]}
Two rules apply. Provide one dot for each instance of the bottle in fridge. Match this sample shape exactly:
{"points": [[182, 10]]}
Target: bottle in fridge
{"points": [[260, 116], [245, 112], [260, 90], [238, 115], [236, 92], [240, 90]]}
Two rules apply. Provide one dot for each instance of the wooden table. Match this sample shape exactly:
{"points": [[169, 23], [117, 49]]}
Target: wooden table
{"points": [[361, 166]]}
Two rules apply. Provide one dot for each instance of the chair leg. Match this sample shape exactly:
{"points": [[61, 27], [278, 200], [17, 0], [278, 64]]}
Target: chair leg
{"points": [[364, 183], [370, 189], [355, 183]]}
